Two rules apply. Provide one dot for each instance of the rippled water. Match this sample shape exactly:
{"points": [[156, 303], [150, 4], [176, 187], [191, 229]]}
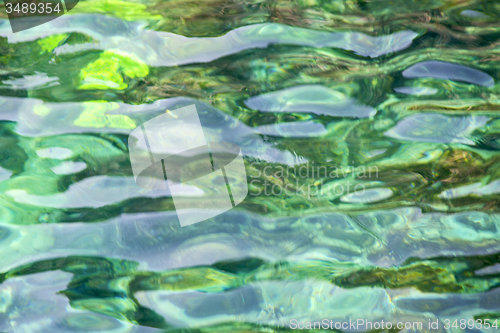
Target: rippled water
{"points": [[371, 138]]}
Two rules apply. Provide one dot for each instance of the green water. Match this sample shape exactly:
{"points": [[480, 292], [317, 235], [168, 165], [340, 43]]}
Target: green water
{"points": [[371, 139]]}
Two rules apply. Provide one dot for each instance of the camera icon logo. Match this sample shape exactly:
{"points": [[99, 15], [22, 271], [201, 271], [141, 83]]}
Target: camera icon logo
{"points": [[204, 178]]}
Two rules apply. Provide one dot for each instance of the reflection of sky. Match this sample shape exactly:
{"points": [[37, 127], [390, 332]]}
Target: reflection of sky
{"points": [[298, 129], [69, 167], [439, 128], [5, 174], [367, 196], [157, 48], [39, 80], [315, 99], [154, 239], [147, 237], [448, 71], [156, 242], [59, 118], [417, 91], [472, 189], [59, 153], [94, 192], [50, 311]]}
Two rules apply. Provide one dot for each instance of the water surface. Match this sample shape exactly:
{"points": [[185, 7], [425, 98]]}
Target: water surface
{"points": [[371, 139]]}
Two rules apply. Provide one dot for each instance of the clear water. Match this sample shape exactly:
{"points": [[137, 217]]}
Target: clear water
{"points": [[391, 109]]}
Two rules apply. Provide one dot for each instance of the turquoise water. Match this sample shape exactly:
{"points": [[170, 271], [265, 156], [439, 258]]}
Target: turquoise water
{"points": [[370, 136]]}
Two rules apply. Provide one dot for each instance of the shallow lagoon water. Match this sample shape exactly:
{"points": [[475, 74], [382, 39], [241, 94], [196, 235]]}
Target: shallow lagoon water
{"points": [[370, 134]]}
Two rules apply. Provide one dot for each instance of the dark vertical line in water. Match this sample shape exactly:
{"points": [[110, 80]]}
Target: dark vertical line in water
{"points": [[211, 160], [163, 168], [147, 145], [228, 187], [64, 6]]}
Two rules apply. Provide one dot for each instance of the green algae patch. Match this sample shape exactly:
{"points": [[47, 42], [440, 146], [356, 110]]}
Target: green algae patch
{"points": [[129, 11], [48, 44], [107, 71], [95, 115]]}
